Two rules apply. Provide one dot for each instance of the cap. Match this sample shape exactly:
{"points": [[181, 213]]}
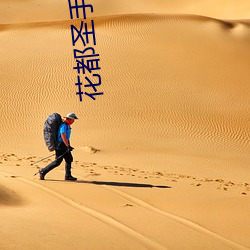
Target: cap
{"points": [[71, 116]]}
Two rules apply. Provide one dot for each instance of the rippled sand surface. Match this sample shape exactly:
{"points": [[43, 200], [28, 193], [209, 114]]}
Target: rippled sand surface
{"points": [[162, 157]]}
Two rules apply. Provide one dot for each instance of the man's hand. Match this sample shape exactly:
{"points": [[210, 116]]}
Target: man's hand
{"points": [[69, 148]]}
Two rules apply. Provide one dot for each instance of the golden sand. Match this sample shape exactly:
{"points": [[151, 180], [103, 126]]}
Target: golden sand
{"points": [[162, 157]]}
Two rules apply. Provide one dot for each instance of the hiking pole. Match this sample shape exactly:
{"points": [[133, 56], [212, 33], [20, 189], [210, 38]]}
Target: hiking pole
{"points": [[48, 157], [41, 159]]}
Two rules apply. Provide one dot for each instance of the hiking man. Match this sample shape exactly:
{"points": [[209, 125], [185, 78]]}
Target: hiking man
{"points": [[63, 149]]}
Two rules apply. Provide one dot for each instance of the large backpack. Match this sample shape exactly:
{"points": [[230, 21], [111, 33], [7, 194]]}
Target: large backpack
{"points": [[50, 130]]}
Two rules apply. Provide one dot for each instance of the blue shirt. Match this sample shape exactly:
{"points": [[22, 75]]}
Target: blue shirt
{"points": [[64, 128]]}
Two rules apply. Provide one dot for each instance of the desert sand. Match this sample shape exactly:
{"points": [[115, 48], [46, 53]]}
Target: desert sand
{"points": [[162, 157]]}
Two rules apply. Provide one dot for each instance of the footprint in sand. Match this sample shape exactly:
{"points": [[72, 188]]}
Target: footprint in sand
{"points": [[128, 205]]}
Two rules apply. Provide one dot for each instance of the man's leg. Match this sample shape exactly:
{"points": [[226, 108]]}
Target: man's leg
{"points": [[68, 161], [52, 165]]}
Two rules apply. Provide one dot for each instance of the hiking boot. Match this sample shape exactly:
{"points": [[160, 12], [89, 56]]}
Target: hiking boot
{"points": [[70, 178], [41, 175]]}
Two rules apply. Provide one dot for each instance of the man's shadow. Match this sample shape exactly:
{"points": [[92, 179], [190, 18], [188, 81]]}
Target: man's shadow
{"points": [[122, 184], [114, 183]]}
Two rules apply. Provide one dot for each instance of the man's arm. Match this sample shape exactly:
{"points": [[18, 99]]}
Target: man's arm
{"points": [[66, 142]]}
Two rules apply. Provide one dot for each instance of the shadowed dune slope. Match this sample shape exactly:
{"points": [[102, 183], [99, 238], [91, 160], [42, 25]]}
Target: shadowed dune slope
{"points": [[8, 197]]}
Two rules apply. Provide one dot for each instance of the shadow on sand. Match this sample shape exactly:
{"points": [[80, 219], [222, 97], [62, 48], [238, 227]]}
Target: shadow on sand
{"points": [[122, 184], [116, 184]]}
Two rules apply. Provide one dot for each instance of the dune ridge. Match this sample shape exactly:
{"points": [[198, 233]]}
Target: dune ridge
{"points": [[17, 11], [178, 17]]}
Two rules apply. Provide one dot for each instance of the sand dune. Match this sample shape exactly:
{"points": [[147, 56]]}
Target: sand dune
{"points": [[190, 112], [22, 11], [162, 158]]}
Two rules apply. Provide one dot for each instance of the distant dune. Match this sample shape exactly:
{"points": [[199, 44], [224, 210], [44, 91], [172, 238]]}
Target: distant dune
{"points": [[22, 11]]}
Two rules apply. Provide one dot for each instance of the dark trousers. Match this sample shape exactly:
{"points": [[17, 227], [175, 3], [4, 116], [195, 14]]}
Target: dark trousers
{"points": [[67, 156]]}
